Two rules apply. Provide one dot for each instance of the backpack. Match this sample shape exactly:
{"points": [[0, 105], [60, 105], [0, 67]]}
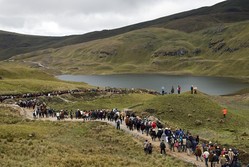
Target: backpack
{"points": [[204, 156]]}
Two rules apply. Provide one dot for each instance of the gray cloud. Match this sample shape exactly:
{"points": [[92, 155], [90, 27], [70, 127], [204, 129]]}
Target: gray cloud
{"points": [[64, 17]]}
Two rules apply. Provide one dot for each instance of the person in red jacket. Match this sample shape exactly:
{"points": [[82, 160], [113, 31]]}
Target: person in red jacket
{"points": [[153, 125], [224, 112]]}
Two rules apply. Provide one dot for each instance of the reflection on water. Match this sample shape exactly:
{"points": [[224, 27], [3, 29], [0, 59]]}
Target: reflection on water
{"points": [[209, 85]]}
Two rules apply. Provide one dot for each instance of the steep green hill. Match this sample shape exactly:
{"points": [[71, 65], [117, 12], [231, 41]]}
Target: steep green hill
{"points": [[226, 12], [219, 50]]}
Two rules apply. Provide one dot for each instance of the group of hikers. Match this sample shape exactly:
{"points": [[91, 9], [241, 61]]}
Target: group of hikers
{"points": [[61, 92], [172, 91], [181, 141], [177, 140], [193, 90]]}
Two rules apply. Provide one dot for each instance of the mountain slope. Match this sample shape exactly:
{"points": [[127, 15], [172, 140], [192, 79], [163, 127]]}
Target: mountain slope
{"points": [[229, 11], [218, 51]]}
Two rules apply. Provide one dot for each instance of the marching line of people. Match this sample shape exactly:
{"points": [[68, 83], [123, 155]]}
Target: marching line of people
{"points": [[175, 140]]}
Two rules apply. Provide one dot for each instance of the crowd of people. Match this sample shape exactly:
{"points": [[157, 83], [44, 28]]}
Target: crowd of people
{"points": [[182, 141], [175, 140], [56, 93]]}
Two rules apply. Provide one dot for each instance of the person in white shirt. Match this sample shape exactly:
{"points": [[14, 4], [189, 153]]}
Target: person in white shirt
{"points": [[205, 155]]}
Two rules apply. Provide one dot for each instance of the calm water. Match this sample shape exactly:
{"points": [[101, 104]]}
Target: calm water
{"points": [[209, 85]]}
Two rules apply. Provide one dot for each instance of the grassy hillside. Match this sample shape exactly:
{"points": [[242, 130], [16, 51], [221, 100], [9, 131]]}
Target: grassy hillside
{"points": [[200, 114], [226, 12], [16, 79], [218, 51], [40, 143]]}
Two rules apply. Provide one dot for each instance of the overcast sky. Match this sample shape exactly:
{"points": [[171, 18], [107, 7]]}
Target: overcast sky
{"points": [[67, 17]]}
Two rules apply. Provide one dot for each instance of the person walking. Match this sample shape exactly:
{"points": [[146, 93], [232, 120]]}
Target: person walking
{"points": [[224, 112], [163, 147], [198, 153], [146, 145], [205, 155], [118, 124], [150, 148]]}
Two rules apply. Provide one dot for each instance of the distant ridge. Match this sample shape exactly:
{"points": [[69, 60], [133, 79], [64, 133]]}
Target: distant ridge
{"points": [[12, 44]]}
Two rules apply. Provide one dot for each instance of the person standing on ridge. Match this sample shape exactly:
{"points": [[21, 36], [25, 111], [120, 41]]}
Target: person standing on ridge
{"points": [[172, 90], [178, 89], [192, 89], [163, 90]]}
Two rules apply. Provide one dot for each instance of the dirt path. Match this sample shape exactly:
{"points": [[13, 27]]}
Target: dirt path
{"points": [[179, 155]]}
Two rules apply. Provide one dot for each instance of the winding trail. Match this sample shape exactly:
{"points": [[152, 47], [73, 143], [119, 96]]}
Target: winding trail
{"points": [[28, 113]]}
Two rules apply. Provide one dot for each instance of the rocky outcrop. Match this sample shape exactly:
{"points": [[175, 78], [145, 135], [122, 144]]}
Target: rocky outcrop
{"points": [[217, 45], [220, 45], [196, 51], [230, 50], [176, 52], [105, 53], [213, 42]]}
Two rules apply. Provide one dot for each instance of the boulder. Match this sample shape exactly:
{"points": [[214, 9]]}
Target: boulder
{"points": [[152, 118], [198, 122], [189, 115]]}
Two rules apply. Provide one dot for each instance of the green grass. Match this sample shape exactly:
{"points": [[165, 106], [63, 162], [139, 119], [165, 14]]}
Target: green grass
{"points": [[18, 86], [16, 79], [137, 52], [45, 143], [94, 101]]}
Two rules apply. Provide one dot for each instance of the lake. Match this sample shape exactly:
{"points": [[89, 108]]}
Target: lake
{"points": [[208, 85]]}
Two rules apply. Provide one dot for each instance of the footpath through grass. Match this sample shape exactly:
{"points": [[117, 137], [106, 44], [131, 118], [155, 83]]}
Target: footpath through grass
{"points": [[200, 114], [44, 143]]}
